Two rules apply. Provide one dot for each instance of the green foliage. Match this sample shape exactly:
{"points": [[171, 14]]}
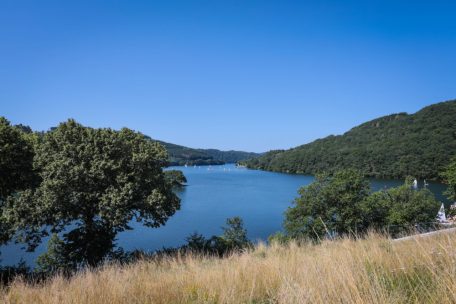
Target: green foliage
{"points": [[400, 207], [55, 259], [279, 237], [180, 155], [175, 177], [233, 239], [94, 182], [341, 204], [234, 234], [229, 156], [16, 167], [16, 160], [331, 204], [449, 176], [393, 146], [197, 243]]}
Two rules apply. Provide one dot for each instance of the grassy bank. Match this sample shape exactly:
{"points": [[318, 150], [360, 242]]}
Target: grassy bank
{"points": [[375, 270]]}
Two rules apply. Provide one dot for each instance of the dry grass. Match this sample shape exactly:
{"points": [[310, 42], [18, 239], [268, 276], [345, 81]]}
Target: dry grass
{"points": [[375, 270]]}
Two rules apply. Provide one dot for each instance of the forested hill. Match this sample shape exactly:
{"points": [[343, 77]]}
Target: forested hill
{"points": [[180, 155], [394, 146]]}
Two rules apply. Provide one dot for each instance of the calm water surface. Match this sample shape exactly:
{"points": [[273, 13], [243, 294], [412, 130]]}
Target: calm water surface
{"points": [[212, 195]]}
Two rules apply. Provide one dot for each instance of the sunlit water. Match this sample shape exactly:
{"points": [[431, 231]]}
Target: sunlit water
{"points": [[212, 195]]}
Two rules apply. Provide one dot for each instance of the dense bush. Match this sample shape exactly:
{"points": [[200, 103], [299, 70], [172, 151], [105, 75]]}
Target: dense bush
{"points": [[234, 239], [341, 203], [175, 177]]}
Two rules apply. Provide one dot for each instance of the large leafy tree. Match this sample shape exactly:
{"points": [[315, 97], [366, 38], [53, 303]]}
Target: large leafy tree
{"points": [[16, 166], [94, 182], [16, 160], [330, 205]]}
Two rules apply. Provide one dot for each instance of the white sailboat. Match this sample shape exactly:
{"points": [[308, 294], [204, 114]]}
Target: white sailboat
{"points": [[415, 184], [441, 217]]}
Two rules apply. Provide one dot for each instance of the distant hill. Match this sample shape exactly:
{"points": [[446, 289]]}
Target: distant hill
{"points": [[393, 146], [180, 155], [230, 156]]}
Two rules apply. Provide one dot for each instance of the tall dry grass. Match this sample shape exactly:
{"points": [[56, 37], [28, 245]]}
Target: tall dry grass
{"points": [[374, 270]]}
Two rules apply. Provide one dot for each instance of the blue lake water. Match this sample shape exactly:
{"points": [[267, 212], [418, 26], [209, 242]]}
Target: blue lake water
{"points": [[212, 195]]}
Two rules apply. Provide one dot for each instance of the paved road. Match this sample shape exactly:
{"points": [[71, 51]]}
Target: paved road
{"points": [[443, 231]]}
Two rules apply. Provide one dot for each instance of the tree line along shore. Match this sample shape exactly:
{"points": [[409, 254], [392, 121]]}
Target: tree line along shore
{"points": [[82, 186]]}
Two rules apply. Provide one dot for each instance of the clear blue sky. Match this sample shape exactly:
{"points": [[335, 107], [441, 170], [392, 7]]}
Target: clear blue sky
{"points": [[248, 75]]}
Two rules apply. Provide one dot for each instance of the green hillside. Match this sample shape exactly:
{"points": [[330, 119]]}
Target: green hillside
{"points": [[394, 146], [229, 156], [180, 155]]}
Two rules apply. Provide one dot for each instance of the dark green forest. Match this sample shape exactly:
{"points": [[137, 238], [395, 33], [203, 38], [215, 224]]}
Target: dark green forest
{"points": [[393, 146], [180, 155]]}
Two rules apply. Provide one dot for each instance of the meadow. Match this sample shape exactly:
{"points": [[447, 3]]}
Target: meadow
{"points": [[371, 270]]}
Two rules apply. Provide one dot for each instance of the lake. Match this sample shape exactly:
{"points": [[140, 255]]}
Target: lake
{"points": [[212, 195]]}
